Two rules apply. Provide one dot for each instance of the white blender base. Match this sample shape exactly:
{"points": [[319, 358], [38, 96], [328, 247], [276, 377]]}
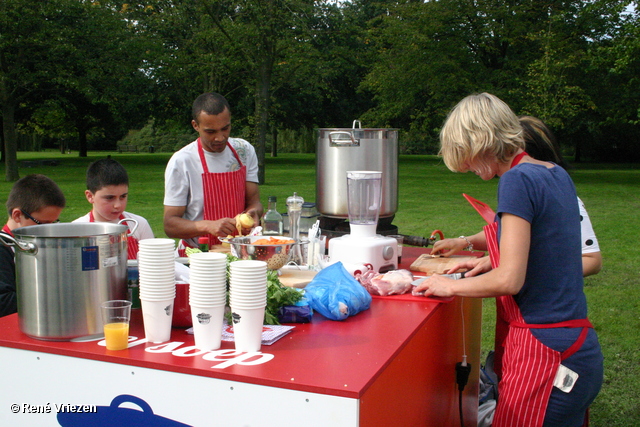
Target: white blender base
{"points": [[379, 251]]}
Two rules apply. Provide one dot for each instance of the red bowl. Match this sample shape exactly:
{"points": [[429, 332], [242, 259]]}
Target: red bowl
{"points": [[181, 307]]}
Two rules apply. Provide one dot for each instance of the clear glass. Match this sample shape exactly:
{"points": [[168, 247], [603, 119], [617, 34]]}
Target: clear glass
{"points": [[364, 193], [272, 223], [294, 208]]}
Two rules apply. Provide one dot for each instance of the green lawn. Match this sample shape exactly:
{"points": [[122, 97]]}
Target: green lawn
{"points": [[430, 198]]}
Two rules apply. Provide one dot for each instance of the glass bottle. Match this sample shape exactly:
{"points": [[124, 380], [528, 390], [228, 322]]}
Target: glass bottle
{"points": [[272, 220]]}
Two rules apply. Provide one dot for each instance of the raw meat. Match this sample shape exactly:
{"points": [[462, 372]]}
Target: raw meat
{"points": [[395, 282]]}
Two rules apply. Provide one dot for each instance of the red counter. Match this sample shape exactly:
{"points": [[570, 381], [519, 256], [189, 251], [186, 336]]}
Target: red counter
{"points": [[393, 364]]}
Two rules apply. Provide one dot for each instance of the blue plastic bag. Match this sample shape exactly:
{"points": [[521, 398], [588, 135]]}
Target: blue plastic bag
{"points": [[336, 294]]}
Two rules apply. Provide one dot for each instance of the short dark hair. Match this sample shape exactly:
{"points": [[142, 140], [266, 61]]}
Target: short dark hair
{"points": [[210, 103], [104, 172], [33, 193]]}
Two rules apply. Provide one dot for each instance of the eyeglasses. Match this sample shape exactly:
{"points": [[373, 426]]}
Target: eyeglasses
{"points": [[35, 220]]}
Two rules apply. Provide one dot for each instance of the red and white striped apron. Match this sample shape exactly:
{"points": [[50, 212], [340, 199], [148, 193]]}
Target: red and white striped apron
{"points": [[223, 193], [132, 242], [525, 366]]}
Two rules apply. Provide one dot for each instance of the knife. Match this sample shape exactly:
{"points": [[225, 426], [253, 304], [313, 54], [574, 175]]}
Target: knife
{"points": [[454, 276]]}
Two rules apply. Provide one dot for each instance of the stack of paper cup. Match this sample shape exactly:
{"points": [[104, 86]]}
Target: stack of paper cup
{"points": [[248, 299], [207, 297], [156, 266]]}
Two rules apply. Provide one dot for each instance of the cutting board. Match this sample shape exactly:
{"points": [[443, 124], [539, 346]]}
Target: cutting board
{"points": [[296, 278], [440, 265]]}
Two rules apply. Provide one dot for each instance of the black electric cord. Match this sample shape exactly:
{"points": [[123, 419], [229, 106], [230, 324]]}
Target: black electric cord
{"points": [[463, 369]]}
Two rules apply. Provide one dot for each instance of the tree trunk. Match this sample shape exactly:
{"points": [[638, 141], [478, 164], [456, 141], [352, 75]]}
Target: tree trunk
{"points": [[274, 143], [10, 141], [262, 115], [82, 140]]}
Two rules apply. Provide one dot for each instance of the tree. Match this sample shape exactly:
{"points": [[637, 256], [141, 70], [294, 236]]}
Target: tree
{"points": [[30, 47]]}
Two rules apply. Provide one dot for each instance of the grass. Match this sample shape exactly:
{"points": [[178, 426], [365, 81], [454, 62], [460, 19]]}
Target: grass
{"points": [[430, 198]]}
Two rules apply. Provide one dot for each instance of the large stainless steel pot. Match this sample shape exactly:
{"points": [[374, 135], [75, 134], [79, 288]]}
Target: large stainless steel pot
{"points": [[64, 272], [342, 149]]}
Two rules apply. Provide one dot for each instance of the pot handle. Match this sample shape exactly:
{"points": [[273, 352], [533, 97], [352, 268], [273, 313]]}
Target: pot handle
{"points": [[27, 247], [135, 225], [338, 139]]}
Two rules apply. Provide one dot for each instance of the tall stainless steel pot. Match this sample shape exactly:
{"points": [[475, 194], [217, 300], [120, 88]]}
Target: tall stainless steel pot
{"points": [[342, 149], [64, 272]]}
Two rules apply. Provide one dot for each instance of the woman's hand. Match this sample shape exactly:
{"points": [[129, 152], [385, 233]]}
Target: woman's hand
{"points": [[473, 267], [451, 246], [436, 285]]}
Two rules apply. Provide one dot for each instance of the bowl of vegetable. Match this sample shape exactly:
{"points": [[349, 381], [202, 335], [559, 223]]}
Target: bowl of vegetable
{"points": [[274, 250]]}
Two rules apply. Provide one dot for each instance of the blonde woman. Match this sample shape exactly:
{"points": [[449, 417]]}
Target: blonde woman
{"points": [[552, 366]]}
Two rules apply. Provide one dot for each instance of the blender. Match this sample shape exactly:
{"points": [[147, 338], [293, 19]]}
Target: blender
{"points": [[363, 245]]}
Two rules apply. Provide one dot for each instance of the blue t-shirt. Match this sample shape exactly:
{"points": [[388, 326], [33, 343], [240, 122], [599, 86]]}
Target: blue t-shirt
{"points": [[546, 198], [552, 291]]}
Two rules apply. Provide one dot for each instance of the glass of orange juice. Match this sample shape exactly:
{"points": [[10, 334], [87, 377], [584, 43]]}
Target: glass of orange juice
{"points": [[115, 316]]}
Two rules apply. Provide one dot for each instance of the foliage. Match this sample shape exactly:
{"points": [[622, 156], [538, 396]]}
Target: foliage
{"points": [[82, 74]]}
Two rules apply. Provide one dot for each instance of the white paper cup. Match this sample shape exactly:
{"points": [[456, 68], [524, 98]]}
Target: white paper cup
{"points": [[207, 326], [207, 302], [157, 297], [218, 271], [208, 258], [257, 303], [157, 316], [156, 255], [210, 279], [247, 328], [248, 265], [157, 242]]}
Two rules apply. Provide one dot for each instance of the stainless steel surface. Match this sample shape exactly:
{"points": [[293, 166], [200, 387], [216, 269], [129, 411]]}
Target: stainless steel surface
{"points": [[342, 149], [74, 268]]}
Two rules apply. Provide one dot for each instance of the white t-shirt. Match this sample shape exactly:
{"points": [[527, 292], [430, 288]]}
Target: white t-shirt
{"points": [[142, 232], [183, 175], [589, 240]]}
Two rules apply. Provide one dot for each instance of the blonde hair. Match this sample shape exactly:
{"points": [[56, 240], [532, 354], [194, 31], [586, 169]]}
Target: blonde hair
{"points": [[480, 128]]}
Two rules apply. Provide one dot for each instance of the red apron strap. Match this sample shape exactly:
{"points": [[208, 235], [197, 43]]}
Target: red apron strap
{"points": [[482, 208], [491, 236], [585, 324], [573, 323]]}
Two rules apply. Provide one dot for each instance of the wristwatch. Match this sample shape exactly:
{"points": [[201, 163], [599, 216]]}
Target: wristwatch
{"points": [[469, 244]]}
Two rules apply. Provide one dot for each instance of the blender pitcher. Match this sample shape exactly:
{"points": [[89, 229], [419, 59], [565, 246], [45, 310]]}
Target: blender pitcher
{"points": [[363, 198]]}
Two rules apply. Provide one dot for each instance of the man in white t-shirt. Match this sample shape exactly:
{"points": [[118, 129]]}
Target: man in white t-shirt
{"points": [[211, 180]]}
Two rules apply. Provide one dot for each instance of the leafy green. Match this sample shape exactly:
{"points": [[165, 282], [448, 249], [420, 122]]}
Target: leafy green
{"points": [[278, 295]]}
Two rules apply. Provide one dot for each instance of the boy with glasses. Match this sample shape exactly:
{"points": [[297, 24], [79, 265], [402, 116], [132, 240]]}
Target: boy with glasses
{"points": [[33, 200]]}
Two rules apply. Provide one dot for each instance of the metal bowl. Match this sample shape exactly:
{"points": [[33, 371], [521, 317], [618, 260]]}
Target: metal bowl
{"points": [[276, 256]]}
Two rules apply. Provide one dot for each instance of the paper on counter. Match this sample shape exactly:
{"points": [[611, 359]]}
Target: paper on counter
{"points": [[270, 333]]}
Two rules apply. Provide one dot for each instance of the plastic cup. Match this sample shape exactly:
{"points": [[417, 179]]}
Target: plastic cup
{"points": [[157, 316], [247, 328], [207, 326], [181, 307], [116, 315]]}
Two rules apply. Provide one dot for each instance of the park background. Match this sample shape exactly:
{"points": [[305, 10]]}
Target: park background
{"points": [[79, 78]]}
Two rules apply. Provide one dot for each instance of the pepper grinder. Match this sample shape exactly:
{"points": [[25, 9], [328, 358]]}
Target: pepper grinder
{"points": [[294, 209]]}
